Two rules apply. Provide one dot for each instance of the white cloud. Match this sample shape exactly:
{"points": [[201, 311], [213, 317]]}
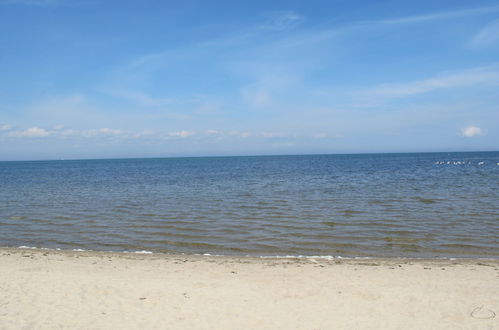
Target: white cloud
{"points": [[486, 75], [88, 133], [181, 134], [30, 132], [5, 128], [471, 131], [487, 36], [213, 132], [110, 131]]}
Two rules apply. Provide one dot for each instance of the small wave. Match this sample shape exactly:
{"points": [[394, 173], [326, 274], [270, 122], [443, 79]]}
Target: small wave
{"points": [[426, 200], [325, 257], [350, 213], [23, 218]]}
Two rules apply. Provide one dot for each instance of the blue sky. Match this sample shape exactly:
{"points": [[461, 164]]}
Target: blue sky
{"points": [[104, 79]]}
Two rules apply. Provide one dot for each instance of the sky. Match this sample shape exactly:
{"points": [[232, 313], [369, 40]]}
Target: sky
{"points": [[117, 79]]}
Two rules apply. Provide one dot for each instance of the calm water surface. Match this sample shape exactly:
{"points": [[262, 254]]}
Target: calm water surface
{"points": [[385, 205]]}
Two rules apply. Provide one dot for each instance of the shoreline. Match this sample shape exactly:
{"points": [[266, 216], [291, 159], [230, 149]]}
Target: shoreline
{"points": [[322, 257], [263, 260], [47, 289]]}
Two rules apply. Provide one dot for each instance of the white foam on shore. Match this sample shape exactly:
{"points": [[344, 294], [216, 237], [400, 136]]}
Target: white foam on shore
{"points": [[325, 257], [207, 254], [309, 257], [27, 247]]}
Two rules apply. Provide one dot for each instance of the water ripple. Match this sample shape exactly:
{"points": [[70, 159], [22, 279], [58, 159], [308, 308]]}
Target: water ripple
{"points": [[419, 205]]}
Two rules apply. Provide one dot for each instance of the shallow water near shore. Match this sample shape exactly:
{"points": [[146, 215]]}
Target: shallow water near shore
{"points": [[425, 205]]}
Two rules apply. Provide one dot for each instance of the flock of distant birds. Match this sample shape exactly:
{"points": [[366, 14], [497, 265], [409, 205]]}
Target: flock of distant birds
{"points": [[457, 163]]}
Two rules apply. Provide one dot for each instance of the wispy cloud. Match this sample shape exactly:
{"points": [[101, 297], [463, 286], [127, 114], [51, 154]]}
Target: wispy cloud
{"points": [[110, 131], [320, 135], [268, 47], [237, 133], [483, 75], [487, 36], [442, 15], [270, 85], [256, 96], [139, 98], [280, 21], [141, 134], [5, 127], [30, 132], [271, 135], [181, 134], [60, 132], [315, 35]]}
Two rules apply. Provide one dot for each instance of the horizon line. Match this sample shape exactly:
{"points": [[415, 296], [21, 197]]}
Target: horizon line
{"points": [[249, 155]]}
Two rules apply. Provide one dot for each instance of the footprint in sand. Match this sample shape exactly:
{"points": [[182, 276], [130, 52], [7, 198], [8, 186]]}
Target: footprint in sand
{"points": [[483, 313]]}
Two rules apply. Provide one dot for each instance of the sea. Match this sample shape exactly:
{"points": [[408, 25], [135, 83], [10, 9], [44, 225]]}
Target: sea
{"points": [[414, 205]]}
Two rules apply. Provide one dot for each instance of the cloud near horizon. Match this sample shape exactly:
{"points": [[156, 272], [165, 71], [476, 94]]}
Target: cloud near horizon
{"points": [[30, 132], [61, 132], [471, 131]]}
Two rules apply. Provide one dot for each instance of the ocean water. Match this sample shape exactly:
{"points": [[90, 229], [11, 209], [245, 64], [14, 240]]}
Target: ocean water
{"points": [[436, 205]]}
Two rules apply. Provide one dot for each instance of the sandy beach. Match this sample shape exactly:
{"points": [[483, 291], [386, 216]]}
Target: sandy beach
{"points": [[46, 289]]}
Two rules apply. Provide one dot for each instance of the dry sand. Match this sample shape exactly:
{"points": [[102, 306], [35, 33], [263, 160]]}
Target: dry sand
{"points": [[42, 289]]}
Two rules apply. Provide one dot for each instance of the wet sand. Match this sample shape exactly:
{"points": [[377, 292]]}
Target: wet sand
{"points": [[46, 289]]}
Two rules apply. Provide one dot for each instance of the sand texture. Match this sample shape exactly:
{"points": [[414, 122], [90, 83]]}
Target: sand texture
{"points": [[45, 289]]}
